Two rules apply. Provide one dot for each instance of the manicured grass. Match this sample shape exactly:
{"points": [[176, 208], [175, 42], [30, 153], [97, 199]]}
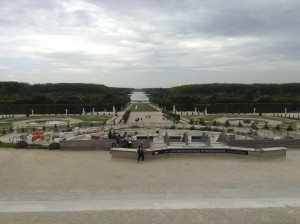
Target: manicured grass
{"points": [[85, 124], [7, 145], [142, 108], [210, 118], [91, 118], [213, 117], [97, 120], [13, 145]]}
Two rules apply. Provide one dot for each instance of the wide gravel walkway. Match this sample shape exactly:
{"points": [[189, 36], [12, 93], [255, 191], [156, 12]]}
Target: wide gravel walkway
{"points": [[40, 186]]}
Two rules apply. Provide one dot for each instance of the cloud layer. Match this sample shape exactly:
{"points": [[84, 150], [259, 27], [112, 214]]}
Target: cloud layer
{"points": [[155, 43]]}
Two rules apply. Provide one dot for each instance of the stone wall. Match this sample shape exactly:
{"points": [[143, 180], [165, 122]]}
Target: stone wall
{"points": [[223, 137], [196, 138], [230, 140], [103, 144], [175, 138], [267, 153], [265, 143], [271, 154], [131, 154]]}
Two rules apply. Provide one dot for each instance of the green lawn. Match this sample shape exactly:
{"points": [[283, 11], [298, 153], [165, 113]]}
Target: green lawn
{"points": [[91, 118], [96, 120], [210, 118], [142, 108]]}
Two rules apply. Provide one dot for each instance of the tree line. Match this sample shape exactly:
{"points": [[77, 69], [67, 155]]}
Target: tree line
{"points": [[49, 98], [229, 98]]}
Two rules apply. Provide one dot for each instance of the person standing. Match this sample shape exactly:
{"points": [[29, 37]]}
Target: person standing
{"points": [[129, 142], [118, 139], [113, 145], [140, 152]]}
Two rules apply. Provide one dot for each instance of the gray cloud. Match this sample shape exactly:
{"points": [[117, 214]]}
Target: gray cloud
{"points": [[150, 43]]}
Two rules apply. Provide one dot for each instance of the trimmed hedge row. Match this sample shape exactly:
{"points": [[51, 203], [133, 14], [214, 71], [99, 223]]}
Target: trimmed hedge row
{"points": [[126, 116], [24, 145]]}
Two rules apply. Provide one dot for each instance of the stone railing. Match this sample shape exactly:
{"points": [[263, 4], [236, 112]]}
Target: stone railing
{"points": [[103, 144], [264, 143], [229, 139]]}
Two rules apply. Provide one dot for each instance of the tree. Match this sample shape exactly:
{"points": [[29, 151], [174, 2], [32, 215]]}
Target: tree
{"points": [[289, 128], [201, 121], [248, 95], [53, 98], [266, 126], [257, 94], [227, 124], [254, 126], [192, 121]]}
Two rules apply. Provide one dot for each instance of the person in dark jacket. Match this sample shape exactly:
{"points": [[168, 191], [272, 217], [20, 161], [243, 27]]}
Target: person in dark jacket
{"points": [[140, 152]]}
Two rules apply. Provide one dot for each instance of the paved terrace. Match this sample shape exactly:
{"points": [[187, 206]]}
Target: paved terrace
{"points": [[39, 186]]}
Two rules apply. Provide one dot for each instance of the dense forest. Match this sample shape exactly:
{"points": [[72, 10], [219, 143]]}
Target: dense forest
{"points": [[229, 98], [48, 98]]}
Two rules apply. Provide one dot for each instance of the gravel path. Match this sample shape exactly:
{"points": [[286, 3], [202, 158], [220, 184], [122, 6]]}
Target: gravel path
{"points": [[148, 118], [82, 186], [191, 216]]}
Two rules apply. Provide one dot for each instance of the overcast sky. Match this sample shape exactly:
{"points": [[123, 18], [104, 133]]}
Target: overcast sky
{"points": [[153, 43]]}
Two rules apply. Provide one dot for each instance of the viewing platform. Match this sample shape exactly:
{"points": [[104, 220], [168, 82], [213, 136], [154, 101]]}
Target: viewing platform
{"points": [[261, 153]]}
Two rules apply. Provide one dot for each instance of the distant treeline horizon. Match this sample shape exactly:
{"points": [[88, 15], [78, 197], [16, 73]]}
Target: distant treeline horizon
{"points": [[229, 98], [54, 98], [49, 98]]}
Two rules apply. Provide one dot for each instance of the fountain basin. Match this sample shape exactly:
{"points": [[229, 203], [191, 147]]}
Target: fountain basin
{"points": [[47, 122]]}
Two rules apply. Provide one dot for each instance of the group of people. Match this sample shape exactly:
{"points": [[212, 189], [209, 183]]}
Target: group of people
{"points": [[137, 119], [126, 142]]}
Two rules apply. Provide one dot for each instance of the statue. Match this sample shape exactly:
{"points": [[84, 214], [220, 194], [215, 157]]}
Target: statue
{"points": [[66, 111], [114, 109], [83, 111], [254, 110], [174, 109], [205, 111], [31, 111], [29, 139], [208, 143]]}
